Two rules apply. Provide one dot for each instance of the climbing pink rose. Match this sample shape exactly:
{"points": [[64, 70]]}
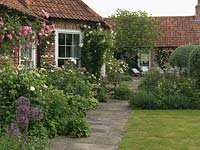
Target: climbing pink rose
{"points": [[45, 14], [33, 37], [44, 24], [2, 37], [1, 23], [9, 36]]}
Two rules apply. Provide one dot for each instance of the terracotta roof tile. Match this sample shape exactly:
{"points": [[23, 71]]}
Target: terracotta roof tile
{"points": [[13, 4], [175, 31], [65, 9]]}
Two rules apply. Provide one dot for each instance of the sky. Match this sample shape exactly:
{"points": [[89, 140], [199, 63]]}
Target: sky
{"points": [[153, 7]]}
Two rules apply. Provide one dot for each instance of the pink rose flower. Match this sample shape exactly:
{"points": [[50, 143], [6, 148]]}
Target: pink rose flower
{"points": [[2, 37], [45, 14], [44, 24], [1, 23], [9, 36], [20, 34], [41, 32], [33, 37]]}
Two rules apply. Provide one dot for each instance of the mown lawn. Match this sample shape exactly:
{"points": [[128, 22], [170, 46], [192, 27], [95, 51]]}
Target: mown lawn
{"points": [[162, 130]]}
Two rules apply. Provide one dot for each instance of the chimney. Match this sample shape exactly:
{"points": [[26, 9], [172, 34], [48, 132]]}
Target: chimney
{"points": [[197, 15]]}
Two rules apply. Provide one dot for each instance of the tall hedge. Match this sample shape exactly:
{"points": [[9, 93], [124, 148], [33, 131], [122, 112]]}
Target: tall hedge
{"points": [[180, 57], [194, 64]]}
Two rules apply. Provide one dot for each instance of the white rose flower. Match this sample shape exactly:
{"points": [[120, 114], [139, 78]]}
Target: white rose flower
{"points": [[32, 88]]}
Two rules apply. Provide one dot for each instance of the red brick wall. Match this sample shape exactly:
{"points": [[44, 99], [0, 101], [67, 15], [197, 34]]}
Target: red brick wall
{"points": [[61, 24]]}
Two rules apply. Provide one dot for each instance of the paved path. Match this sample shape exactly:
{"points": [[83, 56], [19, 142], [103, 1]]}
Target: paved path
{"points": [[108, 124]]}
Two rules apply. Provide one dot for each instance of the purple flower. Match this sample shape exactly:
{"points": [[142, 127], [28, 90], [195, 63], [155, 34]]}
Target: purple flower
{"points": [[36, 114], [13, 130], [23, 111], [23, 101]]}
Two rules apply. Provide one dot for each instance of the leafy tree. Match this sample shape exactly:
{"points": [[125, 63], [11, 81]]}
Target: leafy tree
{"points": [[134, 31]]}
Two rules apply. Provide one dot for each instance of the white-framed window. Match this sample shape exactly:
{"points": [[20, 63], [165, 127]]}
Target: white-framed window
{"points": [[27, 57], [144, 60], [68, 46]]}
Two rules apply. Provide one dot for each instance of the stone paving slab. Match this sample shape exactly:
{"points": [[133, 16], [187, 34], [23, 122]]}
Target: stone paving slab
{"points": [[108, 124]]}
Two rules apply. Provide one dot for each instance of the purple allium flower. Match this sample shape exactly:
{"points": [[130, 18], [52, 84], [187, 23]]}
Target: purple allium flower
{"points": [[23, 111], [23, 101], [36, 114], [13, 130]]}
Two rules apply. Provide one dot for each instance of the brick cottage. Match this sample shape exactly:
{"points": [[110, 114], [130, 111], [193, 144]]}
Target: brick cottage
{"points": [[175, 31], [69, 16]]}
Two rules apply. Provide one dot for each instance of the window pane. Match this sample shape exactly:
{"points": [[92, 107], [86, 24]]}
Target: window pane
{"points": [[30, 54], [68, 51], [144, 59], [60, 62], [77, 51], [68, 39], [27, 55], [61, 39], [76, 39], [61, 51]]}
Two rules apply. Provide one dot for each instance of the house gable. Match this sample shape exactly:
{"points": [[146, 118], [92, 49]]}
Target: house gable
{"points": [[65, 14]]}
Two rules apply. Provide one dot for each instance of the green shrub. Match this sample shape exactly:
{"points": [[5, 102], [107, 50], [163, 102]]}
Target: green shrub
{"points": [[170, 92], [195, 101], [77, 127], [180, 57], [71, 81], [14, 143], [194, 65], [102, 94], [177, 101], [93, 103], [150, 79], [7, 143], [125, 77], [55, 105], [15, 83], [122, 92], [145, 100], [60, 93]]}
